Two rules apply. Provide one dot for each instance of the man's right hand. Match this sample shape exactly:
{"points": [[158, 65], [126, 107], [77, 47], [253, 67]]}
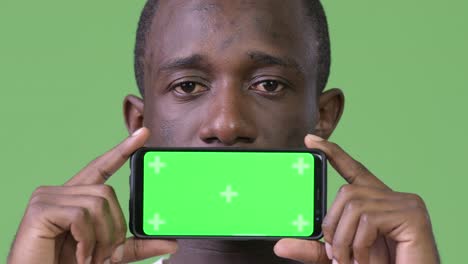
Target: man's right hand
{"points": [[81, 221]]}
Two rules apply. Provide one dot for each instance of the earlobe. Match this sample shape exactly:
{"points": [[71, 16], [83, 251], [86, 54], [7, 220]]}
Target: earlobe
{"points": [[133, 110], [331, 105]]}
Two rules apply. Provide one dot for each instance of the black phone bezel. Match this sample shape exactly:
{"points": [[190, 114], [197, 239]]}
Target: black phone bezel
{"points": [[136, 192]]}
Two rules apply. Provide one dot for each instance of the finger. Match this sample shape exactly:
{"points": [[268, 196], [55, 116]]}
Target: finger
{"points": [[305, 251], [409, 228], [100, 169], [138, 249], [342, 245], [345, 194], [99, 211], [60, 219], [350, 169], [99, 190], [366, 235]]}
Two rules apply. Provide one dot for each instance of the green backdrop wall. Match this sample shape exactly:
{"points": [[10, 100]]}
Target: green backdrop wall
{"points": [[65, 67]]}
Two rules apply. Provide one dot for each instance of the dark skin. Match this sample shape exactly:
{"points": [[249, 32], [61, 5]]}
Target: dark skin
{"points": [[232, 74]]}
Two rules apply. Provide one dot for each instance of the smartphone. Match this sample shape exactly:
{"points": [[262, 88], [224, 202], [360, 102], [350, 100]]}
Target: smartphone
{"points": [[227, 193]]}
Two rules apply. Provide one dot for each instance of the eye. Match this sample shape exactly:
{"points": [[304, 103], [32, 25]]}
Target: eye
{"points": [[185, 88], [268, 86]]}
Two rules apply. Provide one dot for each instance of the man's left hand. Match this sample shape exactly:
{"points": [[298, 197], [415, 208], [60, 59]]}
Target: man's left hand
{"points": [[367, 223]]}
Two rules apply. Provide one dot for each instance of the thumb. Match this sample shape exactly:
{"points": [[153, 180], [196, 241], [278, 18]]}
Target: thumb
{"points": [[306, 251], [138, 249]]}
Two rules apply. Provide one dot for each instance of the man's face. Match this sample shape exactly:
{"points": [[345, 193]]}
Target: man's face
{"points": [[230, 73]]}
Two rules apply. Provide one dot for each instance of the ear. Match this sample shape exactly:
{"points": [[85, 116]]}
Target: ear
{"points": [[331, 105], [133, 112]]}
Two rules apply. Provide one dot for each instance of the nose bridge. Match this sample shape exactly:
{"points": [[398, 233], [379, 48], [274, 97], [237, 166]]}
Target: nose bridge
{"points": [[227, 107], [227, 119]]}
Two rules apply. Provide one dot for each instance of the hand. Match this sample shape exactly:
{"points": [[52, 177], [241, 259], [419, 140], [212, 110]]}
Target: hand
{"points": [[81, 221], [367, 223]]}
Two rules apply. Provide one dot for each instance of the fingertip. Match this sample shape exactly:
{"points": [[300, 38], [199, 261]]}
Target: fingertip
{"points": [[163, 245], [172, 246], [285, 247], [307, 251], [138, 249], [279, 248], [139, 131], [314, 138], [138, 137]]}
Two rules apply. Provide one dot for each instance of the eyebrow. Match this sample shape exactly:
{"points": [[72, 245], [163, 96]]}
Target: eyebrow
{"points": [[263, 58], [192, 61], [199, 61]]}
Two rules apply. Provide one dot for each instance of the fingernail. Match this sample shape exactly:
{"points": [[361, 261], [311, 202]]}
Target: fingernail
{"points": [[107, 261], [314, 138], [88, 260], [138, 131], [329, 251], [117, 256], [335, 261], [355, 262]]}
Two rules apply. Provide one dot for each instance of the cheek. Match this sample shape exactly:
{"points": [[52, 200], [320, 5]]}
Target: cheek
{"points": [[287, 130], [173, 124], [285, 126]]}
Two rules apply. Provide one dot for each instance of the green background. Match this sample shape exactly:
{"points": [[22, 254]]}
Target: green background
{"points": [[65, 67], [270, 193]]}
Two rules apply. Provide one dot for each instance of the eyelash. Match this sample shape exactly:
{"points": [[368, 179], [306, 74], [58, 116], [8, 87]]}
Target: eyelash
{"points": [[174, 88], [278, 83]]}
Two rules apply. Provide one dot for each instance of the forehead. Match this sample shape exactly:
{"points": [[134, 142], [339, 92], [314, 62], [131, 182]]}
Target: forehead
{"points": [[228, 30]]}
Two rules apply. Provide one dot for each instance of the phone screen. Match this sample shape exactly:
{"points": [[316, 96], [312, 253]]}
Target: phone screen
{"points": [[228, 193]]}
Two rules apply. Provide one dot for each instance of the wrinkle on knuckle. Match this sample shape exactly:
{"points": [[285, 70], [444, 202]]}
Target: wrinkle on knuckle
{"points": [[354, 205], [138, 246], [346, 191], [36, 199], [106, 190], [80, 214], [37, 209], [418, 201], [104, 173], [319, 251], [365, 219], [40, 190]]}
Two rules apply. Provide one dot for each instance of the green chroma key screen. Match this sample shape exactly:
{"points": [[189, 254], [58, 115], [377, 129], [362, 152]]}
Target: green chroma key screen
{"points": [[228, 193]]}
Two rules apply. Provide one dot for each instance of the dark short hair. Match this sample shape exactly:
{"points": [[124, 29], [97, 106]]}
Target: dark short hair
{"points": [[314, 12]]}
